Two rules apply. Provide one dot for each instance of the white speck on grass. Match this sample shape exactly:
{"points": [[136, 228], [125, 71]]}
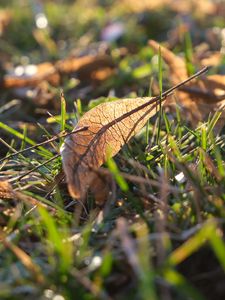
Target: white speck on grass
{"points": [[41, 21], [95, 263], [180, 177]]}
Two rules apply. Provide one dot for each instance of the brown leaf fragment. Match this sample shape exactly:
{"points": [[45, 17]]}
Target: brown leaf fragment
{"points": [[6, 190], [200, 97]]}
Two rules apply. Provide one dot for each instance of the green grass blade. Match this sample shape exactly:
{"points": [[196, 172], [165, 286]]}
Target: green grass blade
{"points": [[178, 281], [192, 244], [63, 112], [21, 137], [188, 54], [57, 241], [116, 173]]}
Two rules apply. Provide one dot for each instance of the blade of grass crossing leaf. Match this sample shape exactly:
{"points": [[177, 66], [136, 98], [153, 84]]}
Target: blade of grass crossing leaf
{"points": [[147, 132], [150, 95]]}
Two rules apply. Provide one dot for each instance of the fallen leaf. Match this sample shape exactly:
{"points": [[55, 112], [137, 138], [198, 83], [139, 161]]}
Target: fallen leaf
{"points": [[85, 67], [109, 126], [200, 97], [44, 71]]}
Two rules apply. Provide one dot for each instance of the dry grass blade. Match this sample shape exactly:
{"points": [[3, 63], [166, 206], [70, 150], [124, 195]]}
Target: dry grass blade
{"points": [[110, 126]]}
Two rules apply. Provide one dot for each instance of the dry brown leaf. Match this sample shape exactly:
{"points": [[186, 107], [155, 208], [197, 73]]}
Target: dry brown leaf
{"points": [[44, 71], [200, 97], [110, 126], [85, 67]]}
